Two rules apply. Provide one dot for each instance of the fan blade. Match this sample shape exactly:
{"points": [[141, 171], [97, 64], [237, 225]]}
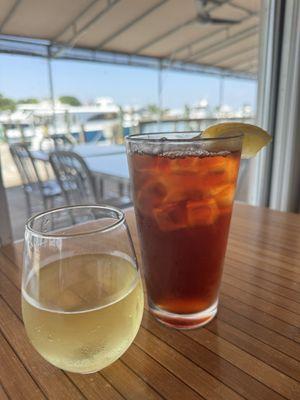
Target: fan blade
{"points": [[201, 10], [204, 17]]}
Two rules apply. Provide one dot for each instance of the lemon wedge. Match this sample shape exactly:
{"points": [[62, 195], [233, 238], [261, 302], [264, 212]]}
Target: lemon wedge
{"points": [[254, 139]]}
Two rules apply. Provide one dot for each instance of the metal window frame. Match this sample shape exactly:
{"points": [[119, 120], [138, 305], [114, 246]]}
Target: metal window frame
{"points": [[45, 49], [285, 183], [260, 173]]}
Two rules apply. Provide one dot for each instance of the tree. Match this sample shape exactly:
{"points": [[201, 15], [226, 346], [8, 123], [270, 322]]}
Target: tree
{"points": [[71, 100], [153, 109], [29, 100], [7, 104]]}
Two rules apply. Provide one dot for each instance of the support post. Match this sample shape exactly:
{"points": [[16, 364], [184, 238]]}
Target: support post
{"points": [[221, 92], [51, 89], [159, 96]]}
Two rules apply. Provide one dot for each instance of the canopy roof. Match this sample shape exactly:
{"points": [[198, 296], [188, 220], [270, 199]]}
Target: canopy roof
{"points": [[153, 33]]}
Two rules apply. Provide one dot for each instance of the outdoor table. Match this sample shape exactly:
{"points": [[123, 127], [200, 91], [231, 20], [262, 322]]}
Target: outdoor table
{"points": [[110, 163], [84, 150], [113, 168], [251, 350]]}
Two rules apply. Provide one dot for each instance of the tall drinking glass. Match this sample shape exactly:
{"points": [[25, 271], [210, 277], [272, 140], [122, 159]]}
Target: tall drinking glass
{"points": [[183, 190], [82, 298]]}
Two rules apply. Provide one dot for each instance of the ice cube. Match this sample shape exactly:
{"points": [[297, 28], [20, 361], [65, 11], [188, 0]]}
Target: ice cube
{"points": [[150, 195], [163, 164], [232, 168], [214, 172], [182, 187], [186, 165], [225, 195], [213, 180], [225, 210], [171, 217], [144, 162], [203, 212], [213, 164]]}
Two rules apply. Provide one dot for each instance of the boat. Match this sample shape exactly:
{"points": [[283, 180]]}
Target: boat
{"points": [[34, 122]]}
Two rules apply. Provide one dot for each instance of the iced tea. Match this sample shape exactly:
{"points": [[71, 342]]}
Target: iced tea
{"points": [[183, 203]]}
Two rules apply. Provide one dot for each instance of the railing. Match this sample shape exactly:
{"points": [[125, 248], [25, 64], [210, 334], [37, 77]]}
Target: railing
{"points": [[166, 124]]}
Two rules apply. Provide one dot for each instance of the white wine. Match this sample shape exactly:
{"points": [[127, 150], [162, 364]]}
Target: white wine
{"points": [[81, 313]]}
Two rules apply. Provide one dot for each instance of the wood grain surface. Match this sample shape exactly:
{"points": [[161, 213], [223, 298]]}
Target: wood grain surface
{"points": [[251, 350]]}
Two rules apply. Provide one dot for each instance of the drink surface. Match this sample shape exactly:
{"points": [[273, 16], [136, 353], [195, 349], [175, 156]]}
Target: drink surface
{"points": [[81, 313], [183, 206]]}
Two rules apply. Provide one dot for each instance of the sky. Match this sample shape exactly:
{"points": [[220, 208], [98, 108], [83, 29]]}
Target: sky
{"points": [[23, 76]]}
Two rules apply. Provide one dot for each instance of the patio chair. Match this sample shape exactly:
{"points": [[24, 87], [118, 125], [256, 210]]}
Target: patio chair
{"points": [[32, 184], [74, 177], [5, 226], [57, 142], [76, 180]]}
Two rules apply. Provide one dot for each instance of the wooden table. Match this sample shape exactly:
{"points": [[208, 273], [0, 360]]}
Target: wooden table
{"points": [[250, 351]]}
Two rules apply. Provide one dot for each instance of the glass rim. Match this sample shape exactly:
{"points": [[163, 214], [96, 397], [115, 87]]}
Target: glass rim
{"points": [[110, 226], [139, 137]]}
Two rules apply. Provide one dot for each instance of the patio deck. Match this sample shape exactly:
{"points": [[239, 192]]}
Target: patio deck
{"points": [[18, 210]]}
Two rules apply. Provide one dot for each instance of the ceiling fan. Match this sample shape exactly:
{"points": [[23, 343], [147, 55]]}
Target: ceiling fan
{"points": [[204, 17]]}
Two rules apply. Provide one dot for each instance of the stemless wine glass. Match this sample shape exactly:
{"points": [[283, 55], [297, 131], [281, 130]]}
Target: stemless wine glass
{"points": [[82, 297]]}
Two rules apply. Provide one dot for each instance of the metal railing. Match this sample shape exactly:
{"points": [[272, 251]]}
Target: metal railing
{"points": [[167, 124]]}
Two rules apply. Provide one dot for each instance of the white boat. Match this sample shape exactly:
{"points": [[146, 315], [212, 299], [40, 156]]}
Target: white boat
{"points": [[36, 121]]}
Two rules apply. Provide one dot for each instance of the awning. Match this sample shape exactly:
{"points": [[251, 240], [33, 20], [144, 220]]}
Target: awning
{"points": [[216, 36]]}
